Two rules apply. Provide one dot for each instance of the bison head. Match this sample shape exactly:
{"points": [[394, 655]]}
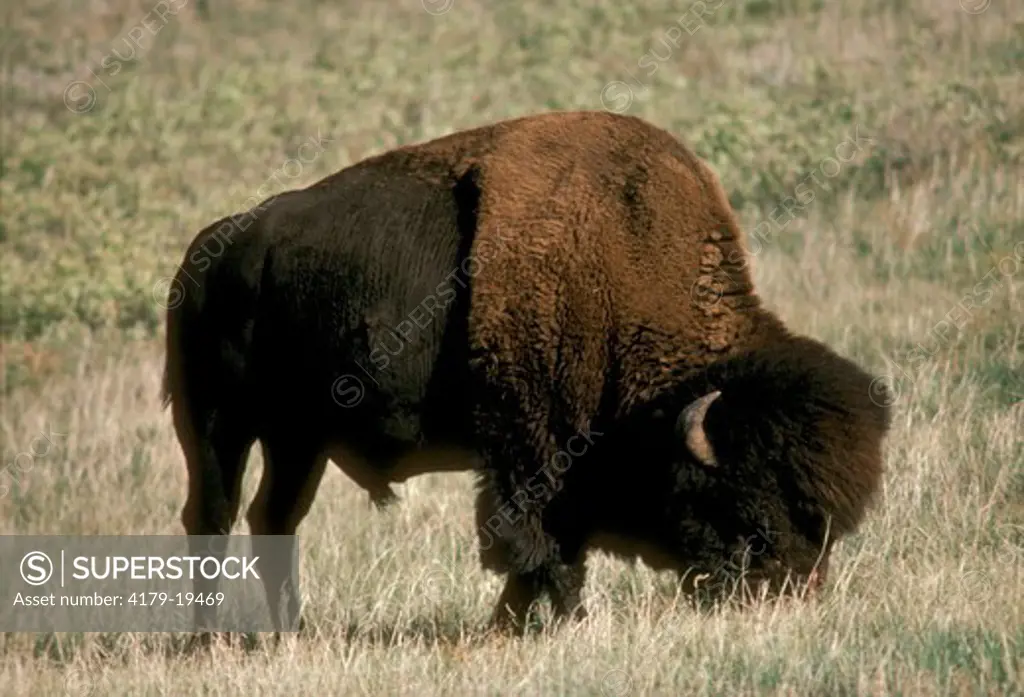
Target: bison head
{"points": [[764, 460]]}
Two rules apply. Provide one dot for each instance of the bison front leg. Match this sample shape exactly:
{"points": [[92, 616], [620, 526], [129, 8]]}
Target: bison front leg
{"points": [[522, 506], [514, 541], [512, 610], [565, 583]]}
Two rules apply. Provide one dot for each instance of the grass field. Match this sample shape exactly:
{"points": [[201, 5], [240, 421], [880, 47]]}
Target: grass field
{"points": [[872, 147]]}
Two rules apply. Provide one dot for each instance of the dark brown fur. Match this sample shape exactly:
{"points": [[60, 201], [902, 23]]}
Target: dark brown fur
{"points": [[611, 287]]}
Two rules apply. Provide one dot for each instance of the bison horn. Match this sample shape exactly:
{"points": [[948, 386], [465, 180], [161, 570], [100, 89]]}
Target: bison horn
{"points": [[690, 427]]}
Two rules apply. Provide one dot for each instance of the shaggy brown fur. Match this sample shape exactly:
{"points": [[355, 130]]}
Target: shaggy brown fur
{"points": [[607, 286]]}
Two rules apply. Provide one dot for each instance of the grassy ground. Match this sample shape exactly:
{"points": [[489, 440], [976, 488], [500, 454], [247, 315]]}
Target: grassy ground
{"points": [[872, 147]]}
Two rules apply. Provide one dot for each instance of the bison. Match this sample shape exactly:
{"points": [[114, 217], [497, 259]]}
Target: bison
{"points": [[562, 303]]}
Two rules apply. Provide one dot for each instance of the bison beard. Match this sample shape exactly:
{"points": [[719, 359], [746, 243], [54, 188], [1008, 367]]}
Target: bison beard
{"points": [[588, 283]]}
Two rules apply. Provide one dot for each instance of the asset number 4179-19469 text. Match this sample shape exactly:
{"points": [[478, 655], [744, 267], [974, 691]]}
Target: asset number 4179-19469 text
{"points": [[153, 598]]}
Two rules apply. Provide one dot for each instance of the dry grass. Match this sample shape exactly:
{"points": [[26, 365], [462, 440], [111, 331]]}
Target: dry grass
{"points": [[97, 207]]}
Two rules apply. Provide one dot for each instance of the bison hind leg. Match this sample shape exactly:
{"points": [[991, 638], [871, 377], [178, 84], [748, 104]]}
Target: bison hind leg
{"points": [[215, 455], [292, 471], [216, 462]]}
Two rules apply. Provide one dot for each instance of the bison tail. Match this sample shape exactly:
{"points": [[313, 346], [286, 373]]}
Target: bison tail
{"points": [[165, 390], [165, 384], [172, 384]]}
